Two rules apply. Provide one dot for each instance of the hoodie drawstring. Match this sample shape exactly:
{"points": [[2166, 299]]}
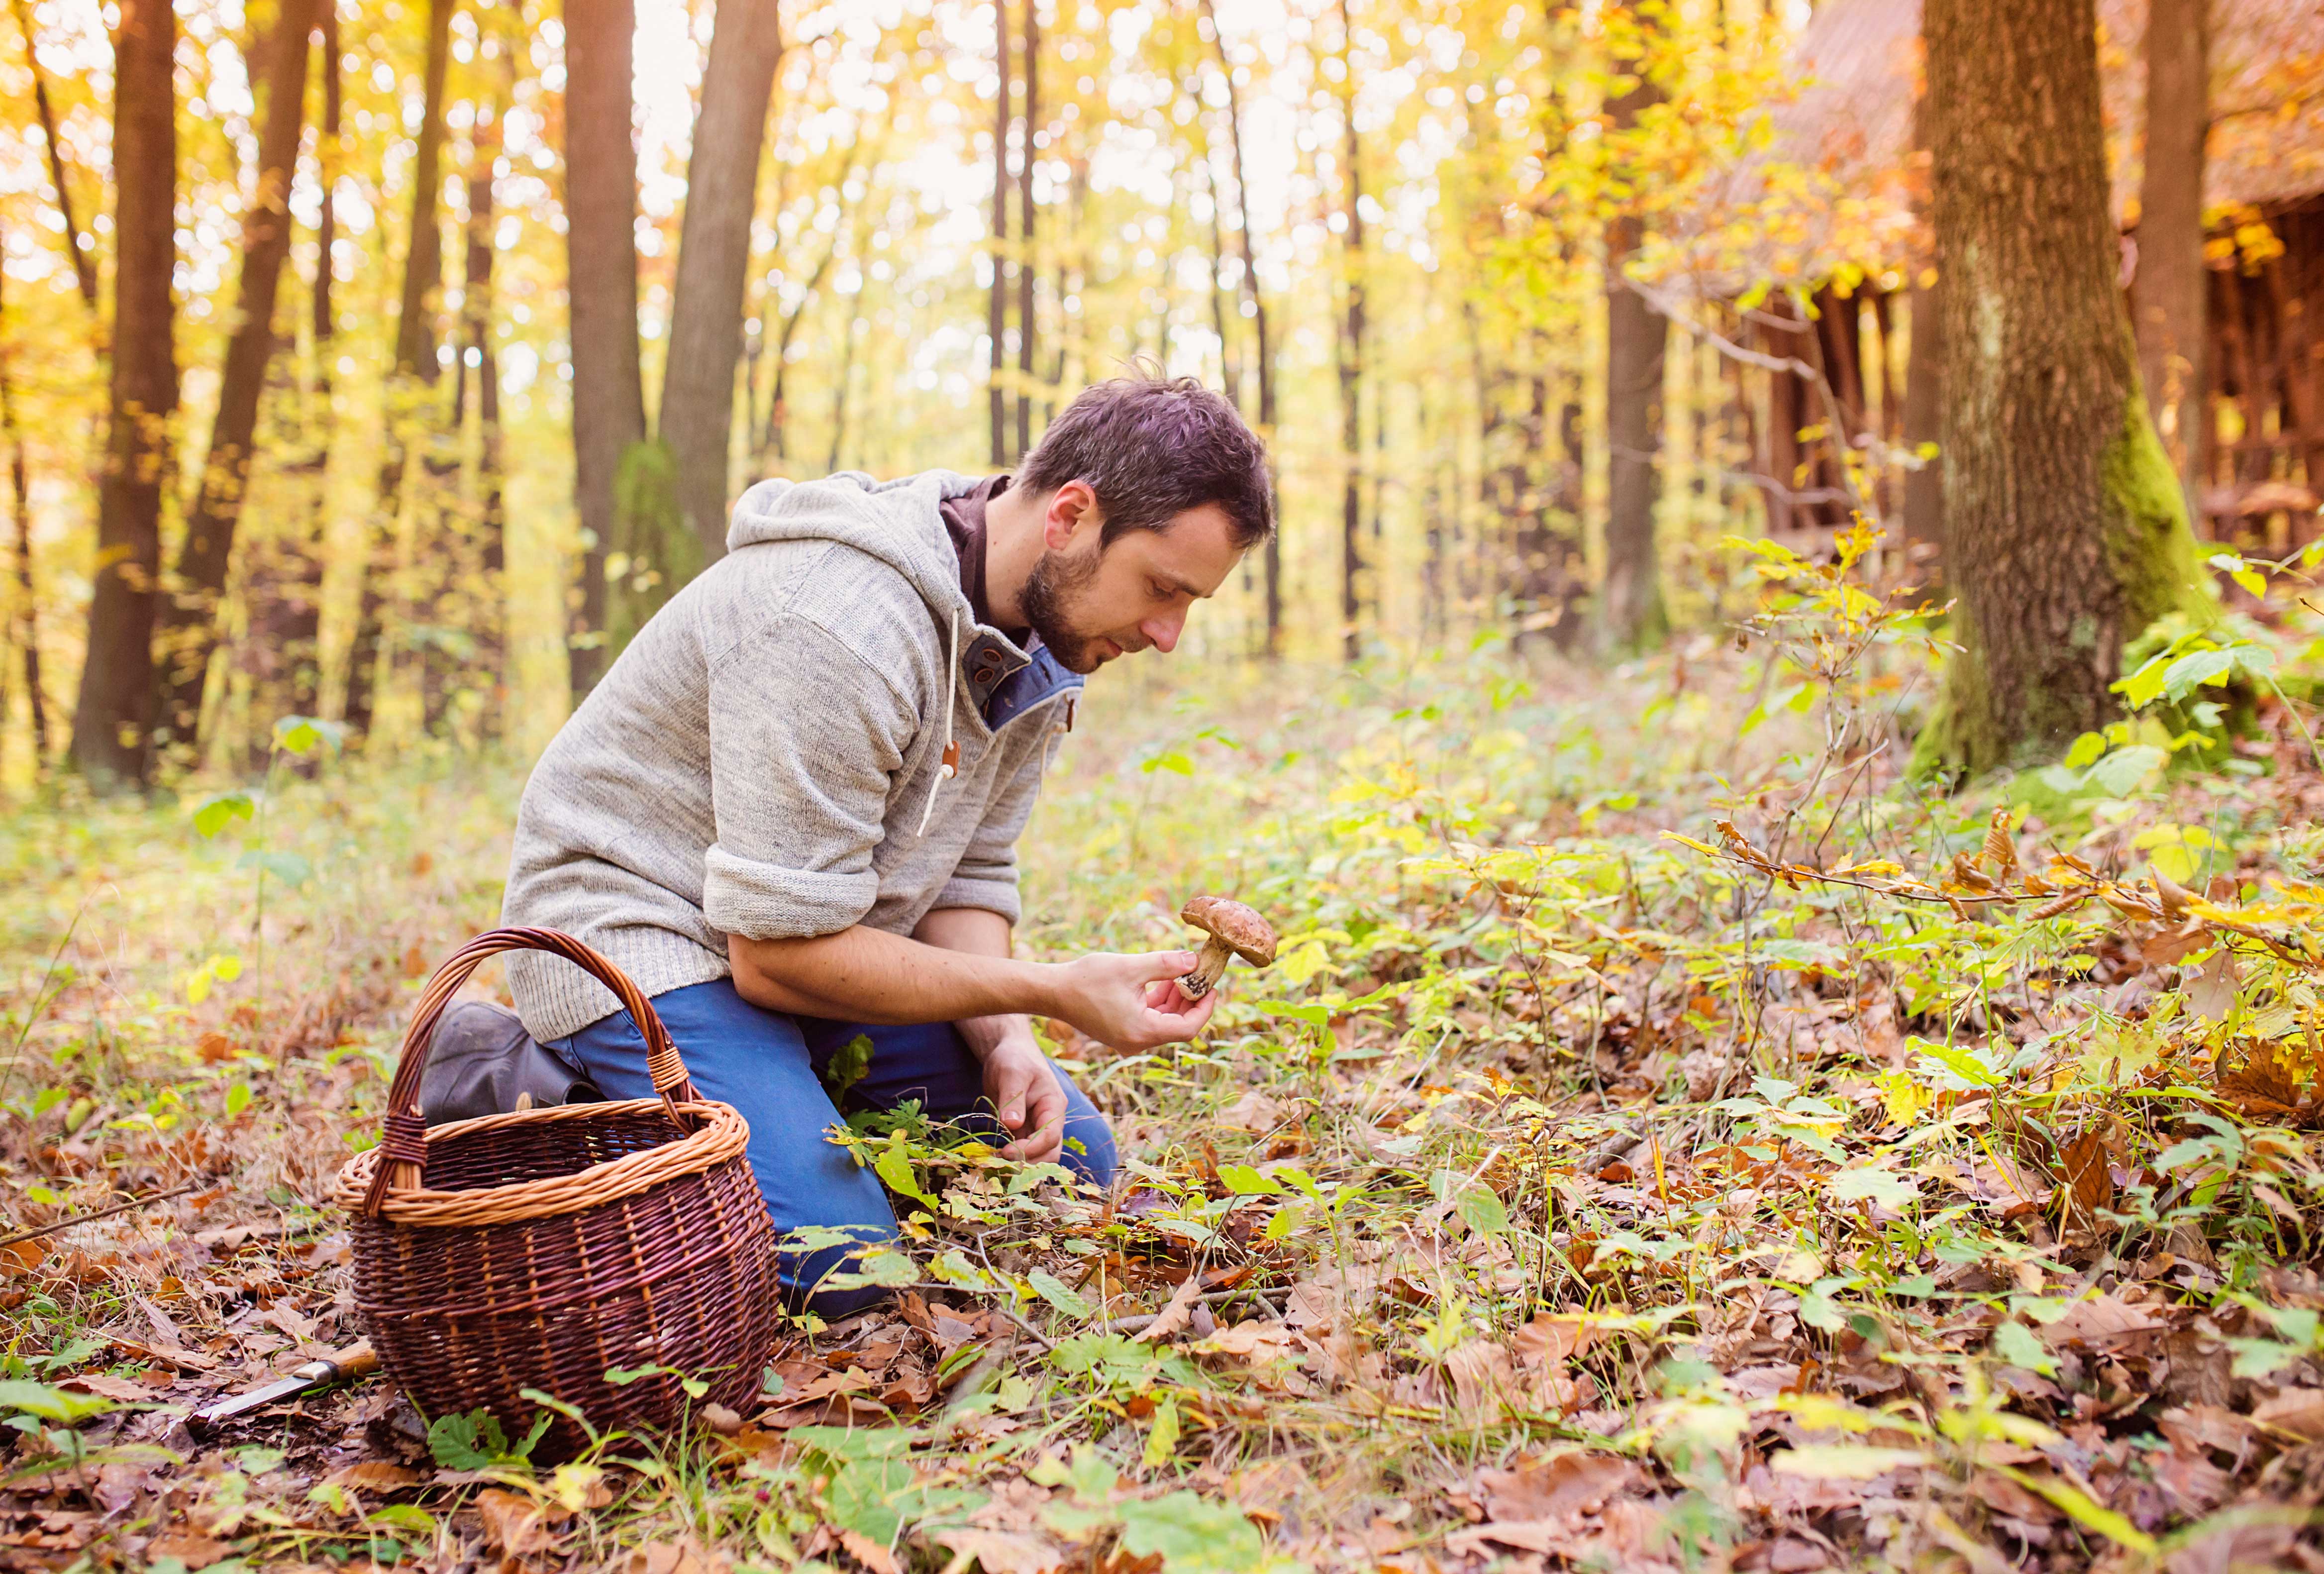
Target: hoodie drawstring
{"points": [[951, 765]]}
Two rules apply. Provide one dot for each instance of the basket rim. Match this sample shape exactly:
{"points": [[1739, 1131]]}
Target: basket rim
{"points": [[724, 1135]]}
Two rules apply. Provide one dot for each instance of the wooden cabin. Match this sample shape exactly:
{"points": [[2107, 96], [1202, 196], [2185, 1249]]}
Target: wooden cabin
{"points": [[2261, 466]]}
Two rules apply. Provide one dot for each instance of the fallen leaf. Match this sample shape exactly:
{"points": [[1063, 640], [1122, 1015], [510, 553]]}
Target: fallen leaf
{"points": [[110, 1387], [2297, 1411], [21, 1257], [192, 1550], [1555, 1488], [1006, 1551], [1253, 1112], [376, 1475], [869, 1552], [214, 1047], [2088, 1186], [515, 1525], [1177, 1315], [1549, 1337]]}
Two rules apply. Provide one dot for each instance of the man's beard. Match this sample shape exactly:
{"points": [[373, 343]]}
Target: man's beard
{"points": [[1049, 591]]}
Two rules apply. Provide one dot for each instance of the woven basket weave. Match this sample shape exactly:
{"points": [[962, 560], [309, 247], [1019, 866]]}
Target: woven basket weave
{"points": [[544, 1248]]}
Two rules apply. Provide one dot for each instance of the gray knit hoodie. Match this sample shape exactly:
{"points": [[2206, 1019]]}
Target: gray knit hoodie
{"points": [[767, 759]]}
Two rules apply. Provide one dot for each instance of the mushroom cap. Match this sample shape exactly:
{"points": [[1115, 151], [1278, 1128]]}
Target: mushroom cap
{"points": [[1251, 936]]}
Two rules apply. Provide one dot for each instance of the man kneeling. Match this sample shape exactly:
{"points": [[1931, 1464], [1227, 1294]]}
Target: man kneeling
{"points": [[789, 812]]}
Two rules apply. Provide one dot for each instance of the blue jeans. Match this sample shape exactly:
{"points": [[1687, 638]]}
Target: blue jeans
{"points": [[769, 1065]]}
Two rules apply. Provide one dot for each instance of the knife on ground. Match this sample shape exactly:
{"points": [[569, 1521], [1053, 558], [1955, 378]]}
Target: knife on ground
{"points": [[357, 1360]]}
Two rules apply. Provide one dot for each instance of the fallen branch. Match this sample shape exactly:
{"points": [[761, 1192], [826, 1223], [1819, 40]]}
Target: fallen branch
{"points": [[49, 1229]]}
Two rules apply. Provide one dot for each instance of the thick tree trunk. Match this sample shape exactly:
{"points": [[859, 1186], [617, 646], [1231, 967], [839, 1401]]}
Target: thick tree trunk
{"points": [[413, 372], [111, 717], [601, 206], [1636, 338], [77, 241], [2167, 295], [996, 314], [189, 616], [283, 586], [1273, 557], [1025, 266], [1350, 362], [2065, 529], [714, 261]]}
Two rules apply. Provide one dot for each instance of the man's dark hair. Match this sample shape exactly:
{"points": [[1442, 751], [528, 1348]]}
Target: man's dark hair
{"points": [[1151, 448]]}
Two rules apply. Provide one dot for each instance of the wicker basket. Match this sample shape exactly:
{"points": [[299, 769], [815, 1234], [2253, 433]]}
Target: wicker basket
{"points": [[543, 1249]]}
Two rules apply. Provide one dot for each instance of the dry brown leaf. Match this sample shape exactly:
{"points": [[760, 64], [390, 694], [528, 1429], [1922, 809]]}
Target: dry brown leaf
{"points": [[2089, 1186], [194, 1550], [1525, 1535], [1481, 1373], [515, 1525], [21, 1257], [1178, 1314], [1552, 1339], [2297, 1411], [214, 1047], [99, 1383], [880, 1560], [683, 1556], [1253, 1112], [2099, 1320], [376, 1476], [1006, 1551], [1558, 1487], [1254, 1341]]}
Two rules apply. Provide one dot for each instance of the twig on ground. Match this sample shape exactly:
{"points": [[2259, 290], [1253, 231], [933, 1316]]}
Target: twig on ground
{"points": [[49, 1229]]}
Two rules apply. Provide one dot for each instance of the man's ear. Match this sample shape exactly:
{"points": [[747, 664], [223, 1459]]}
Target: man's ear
{"points": [[1073, 513]]}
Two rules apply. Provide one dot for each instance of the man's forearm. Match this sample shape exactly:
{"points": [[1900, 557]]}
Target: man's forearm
{"points": [[867, 975], [978, 932]]}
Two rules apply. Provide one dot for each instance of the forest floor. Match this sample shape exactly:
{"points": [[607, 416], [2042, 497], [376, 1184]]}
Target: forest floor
{"points": [[1567, 1194]]}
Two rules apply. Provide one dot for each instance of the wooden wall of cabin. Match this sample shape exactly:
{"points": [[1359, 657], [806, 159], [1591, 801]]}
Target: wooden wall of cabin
{"points": [[1852, 341], [2263, 471]]}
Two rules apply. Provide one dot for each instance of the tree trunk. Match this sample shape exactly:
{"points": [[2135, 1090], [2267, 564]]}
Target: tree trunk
{"points": [[601, 206], [1026, 270], [26, 622], [714, 261], [413, 372], [1925, 392], [189, 616], [1266, 352], [996, 313], [2066, 529], [1636, 338], [77, 242], [2167, 295], [492, 549], [111, 718], [1350, 362]]}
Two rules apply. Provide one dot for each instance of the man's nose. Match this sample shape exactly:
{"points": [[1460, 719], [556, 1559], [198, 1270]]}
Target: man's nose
{"points": [[1162, 633]]}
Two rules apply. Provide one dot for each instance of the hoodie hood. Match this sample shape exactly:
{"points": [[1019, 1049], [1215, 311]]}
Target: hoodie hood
{"points": [[897, 522]]}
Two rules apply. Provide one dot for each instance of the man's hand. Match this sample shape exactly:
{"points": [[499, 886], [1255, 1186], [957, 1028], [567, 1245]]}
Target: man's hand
{"points": [[1133, 1003], [1023, 1091]]}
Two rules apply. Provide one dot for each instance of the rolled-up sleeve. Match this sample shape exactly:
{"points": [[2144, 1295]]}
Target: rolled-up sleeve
{"points": [[805, 741]]}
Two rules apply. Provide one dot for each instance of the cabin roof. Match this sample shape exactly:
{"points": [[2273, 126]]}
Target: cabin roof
{"points": [[1859, 64]]}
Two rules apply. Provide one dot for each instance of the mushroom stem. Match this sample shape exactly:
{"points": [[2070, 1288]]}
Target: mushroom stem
{"points": [[1208, 968]]}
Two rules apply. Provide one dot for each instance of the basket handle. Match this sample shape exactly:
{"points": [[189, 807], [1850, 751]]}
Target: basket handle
{"points": [[403, 1137]]}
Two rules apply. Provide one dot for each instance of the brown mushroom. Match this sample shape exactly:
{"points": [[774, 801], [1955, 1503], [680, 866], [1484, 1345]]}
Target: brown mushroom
{"points": [[1234, 931]]}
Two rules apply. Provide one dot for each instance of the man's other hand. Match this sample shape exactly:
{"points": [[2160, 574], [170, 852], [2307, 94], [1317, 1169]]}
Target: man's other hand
{"points": [[1132, 1003], [1023, 1091]]}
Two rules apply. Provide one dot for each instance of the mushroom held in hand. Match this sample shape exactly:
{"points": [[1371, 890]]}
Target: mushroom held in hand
{"points": [[1235, 931]]}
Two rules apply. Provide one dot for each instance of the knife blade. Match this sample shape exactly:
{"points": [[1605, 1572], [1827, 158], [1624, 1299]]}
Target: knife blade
{"points": [[357, 1360]]}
